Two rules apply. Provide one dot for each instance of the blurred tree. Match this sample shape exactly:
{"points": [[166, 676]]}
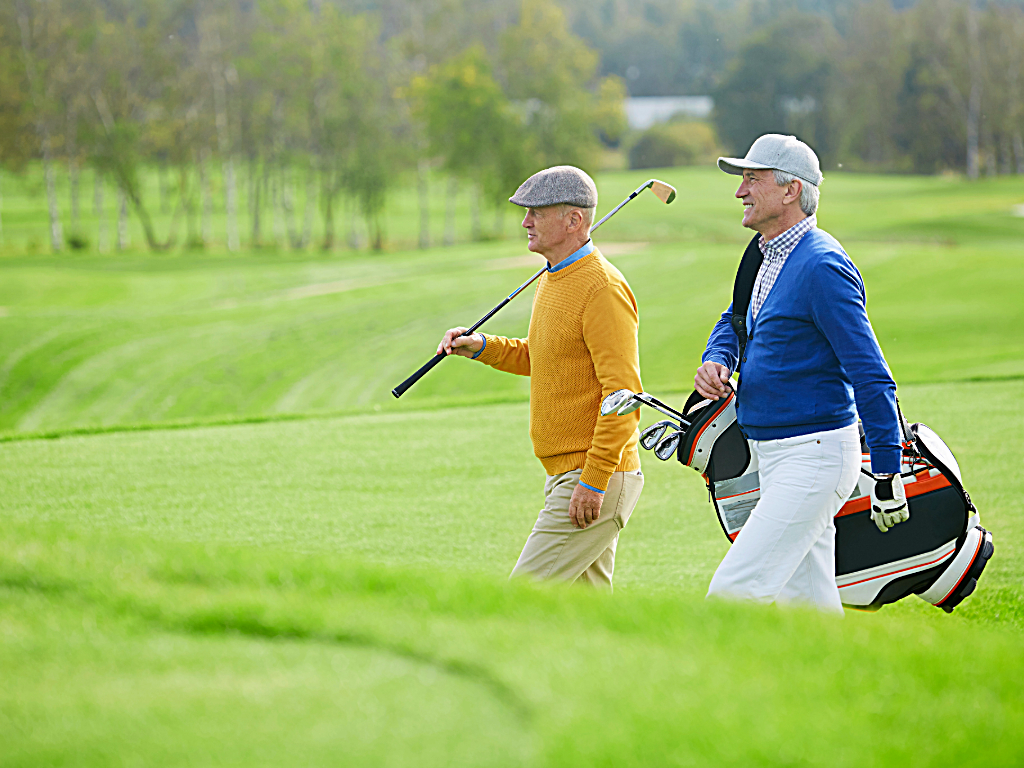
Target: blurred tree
{"points": [[783, 80], [609, 114], [469, 122], [673, 144], [874, 63], [43, 41], [16, 129], [550, 73]]}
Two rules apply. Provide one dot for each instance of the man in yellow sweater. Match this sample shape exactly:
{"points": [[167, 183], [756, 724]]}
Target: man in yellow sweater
{"points": [[582, 345]]}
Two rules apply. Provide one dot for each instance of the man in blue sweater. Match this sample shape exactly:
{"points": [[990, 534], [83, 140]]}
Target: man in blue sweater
{"points": [[811, 364]]}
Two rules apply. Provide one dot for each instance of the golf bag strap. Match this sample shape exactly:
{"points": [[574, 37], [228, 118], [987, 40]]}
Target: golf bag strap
{"points": [[742, 290], [909, 441]]}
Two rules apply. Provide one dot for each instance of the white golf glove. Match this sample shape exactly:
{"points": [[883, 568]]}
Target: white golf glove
{"points": [[888, 502]]}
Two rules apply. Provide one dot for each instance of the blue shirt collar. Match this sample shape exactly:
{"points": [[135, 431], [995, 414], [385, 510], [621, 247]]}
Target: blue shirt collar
{"points": [[586, 250]]}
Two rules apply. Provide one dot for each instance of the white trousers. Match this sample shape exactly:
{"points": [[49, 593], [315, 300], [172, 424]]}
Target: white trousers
{"points": [[786, 551]]}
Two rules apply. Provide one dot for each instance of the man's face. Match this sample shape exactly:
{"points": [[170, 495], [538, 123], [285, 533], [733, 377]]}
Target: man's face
{"points": [[546, 228], [762, 199]]}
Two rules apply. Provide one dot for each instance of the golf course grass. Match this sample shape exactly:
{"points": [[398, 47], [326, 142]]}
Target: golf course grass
{"points": [[223, 541]]}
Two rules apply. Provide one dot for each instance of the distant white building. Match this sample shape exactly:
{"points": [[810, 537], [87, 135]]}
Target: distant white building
{"points": [[644, 111]]}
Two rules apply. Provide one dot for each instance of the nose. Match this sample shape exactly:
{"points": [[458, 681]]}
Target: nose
{"points": [[742, 191]]}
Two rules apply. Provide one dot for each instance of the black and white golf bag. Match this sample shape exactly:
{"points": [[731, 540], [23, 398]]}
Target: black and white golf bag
{"points": [[938, 554]]}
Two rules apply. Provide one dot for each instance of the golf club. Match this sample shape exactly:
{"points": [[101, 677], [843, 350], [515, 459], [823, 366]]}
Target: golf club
{"points": [[652, 434], [611, 403], [642, 398], [668, 446], [664, 192]]}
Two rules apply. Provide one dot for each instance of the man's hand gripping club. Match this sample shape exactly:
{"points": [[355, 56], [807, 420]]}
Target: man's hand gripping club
{"points": [[454, 343], [888, 502]]}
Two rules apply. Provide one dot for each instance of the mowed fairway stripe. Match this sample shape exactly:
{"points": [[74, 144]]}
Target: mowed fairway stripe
{"points": [[450, 489]]}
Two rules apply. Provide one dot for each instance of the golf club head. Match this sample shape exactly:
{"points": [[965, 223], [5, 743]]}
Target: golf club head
{"points": [[667, 446], [664, 192], [614, 400], [650, 436], [628, 406]]}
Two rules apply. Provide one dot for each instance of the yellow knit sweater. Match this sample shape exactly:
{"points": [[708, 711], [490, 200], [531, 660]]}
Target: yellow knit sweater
{"points": [[582, 345]]}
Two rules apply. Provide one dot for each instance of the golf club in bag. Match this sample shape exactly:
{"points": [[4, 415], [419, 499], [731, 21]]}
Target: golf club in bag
{"points": [[664, 192], [938, 554]]}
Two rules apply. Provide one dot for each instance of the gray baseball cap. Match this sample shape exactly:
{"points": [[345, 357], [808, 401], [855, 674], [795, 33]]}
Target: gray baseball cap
{"points": [[561, 184], [773, 151]]}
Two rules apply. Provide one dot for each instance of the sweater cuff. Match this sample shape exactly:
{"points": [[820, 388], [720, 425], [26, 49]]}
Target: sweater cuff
{"points": [[595, 479], [886, 462], [488, 352]]}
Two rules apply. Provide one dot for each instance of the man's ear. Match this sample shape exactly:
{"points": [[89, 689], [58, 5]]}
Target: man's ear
{"points": [[793, 191], [575, 219]]}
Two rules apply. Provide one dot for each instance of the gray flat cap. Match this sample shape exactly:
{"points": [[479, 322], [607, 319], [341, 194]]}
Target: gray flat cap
{"points": [[561, 184], [777, 152]]}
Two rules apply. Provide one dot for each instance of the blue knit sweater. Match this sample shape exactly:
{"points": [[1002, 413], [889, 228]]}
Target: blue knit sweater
{"points": [[812, 362]]}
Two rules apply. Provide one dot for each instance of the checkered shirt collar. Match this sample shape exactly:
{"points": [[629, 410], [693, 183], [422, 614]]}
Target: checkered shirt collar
{"points": [[780, 246]]}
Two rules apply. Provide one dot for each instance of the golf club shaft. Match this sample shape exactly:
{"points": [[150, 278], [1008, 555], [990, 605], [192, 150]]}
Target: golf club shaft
{"points": [[404, 386], [656, 403], [401, 388]]}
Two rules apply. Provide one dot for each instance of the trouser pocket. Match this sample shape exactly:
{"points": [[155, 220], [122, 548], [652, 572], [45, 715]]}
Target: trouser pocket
{"points": [[850, 456]]}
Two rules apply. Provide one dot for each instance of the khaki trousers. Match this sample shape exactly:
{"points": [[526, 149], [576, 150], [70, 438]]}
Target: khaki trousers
{"points": [[557, 551]]}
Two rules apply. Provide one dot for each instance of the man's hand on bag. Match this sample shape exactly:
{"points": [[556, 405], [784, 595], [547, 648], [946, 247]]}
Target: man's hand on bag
{"points": [[454, 343], [584, 506], [888, 502], [712, 380]]}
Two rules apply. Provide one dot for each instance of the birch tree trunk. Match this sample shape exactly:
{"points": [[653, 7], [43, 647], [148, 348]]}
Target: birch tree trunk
{"points": [[42, 129], [205, 233], [224, 145], [165, 195], [277, 207], [73, 170], [354, 240], [423, 192], [1013, 97], [188, 202], [449, 211], [122, 220], [288, 206], [56, 233], [254, 200], [474, 212], [97, 209], [327, 195], [974, 99], [307, 223]]}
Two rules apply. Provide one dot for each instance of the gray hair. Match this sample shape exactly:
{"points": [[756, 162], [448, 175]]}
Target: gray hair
{"points": [[808, 192]]}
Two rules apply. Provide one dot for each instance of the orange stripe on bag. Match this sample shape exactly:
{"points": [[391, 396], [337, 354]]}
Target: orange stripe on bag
{"points": [[863, 503]]}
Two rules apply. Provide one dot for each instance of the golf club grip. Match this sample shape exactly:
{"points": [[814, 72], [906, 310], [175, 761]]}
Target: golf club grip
{"points": [[401, 388]]}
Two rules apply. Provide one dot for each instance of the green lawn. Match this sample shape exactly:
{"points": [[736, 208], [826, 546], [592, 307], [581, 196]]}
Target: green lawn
{"points": [[93, 341], [242, 550]]}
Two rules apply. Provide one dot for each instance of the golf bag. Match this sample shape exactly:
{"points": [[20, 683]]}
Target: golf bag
{"points": [[938, 554]]}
